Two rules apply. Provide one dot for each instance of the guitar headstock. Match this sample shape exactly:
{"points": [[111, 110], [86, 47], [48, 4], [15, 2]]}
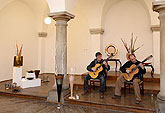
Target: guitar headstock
{"points": [[110, 56], [148, 58]]}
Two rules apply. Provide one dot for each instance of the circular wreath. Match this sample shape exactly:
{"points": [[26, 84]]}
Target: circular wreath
{"points": [[108, 52]]}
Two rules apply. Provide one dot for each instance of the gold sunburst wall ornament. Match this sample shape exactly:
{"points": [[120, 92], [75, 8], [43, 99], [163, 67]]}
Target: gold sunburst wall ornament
{"points": [[111, 49]]}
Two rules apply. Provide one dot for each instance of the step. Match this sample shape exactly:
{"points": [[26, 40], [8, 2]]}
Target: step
{"points": [[125, 104]]}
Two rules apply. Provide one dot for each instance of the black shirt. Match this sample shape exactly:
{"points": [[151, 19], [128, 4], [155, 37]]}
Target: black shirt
{"points": [[128, 64], [94, 62]]}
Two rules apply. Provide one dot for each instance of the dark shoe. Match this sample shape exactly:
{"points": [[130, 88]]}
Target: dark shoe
{"points": [[116, 97], [85, 93], [101, 95], [137, 101]]}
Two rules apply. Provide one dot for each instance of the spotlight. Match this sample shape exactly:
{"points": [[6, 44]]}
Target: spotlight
{"points": [[47, 20]]}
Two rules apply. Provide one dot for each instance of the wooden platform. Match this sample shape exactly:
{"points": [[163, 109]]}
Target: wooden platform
{"points": [[125, 104], [93, 100], [150, 84], [39, 93]]}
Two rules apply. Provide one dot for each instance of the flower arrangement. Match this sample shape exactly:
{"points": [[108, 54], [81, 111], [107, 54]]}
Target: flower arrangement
{"points": [[131, 48], [18, 59], [19, 52]]}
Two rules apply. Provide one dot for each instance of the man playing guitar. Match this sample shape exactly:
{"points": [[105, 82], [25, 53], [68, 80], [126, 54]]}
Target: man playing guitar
{"points": [[135, 79], [100, 76]]}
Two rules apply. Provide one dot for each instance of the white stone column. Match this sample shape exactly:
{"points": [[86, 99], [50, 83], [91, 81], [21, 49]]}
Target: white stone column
{"points": [[41, 51], [96, 39], [61, 19], [159, 6]]}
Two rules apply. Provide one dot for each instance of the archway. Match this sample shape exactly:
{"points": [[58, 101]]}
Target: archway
{"points": [[121, 20]]}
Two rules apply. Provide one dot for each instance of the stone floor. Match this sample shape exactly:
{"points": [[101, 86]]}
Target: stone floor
{"points": [[20, 105]]}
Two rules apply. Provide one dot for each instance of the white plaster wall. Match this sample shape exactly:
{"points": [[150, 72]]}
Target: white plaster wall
{"points": [[79, 41], [70, 4], [50, 49], [156, 52], [41, 53], [17, 23], [153, 15], [93, 10], [121, 20]]}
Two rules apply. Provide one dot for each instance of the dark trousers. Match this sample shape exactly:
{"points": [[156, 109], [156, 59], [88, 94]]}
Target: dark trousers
{"points": [[102, 82]]}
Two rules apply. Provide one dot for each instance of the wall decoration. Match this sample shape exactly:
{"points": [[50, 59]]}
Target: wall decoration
{"points": [[111, 49], [131, 49], [18, 59]]}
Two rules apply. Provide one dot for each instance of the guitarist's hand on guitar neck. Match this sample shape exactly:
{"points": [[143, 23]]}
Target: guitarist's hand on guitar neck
{"points": [[141, 65], [105, 63]]}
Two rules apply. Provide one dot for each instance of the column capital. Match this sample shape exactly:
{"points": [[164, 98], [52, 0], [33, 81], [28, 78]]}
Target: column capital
{"points": [[158, 6], [96, 31], [61, 16], [42, 34]]}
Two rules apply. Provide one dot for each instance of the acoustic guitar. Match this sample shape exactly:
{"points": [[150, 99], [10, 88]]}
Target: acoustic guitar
{"points": [[98, 68], [134, 70]]}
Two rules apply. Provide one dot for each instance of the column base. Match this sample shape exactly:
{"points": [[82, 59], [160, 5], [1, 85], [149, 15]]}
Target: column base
{"points": [[160, 97], [53, 97], [160, 103]]}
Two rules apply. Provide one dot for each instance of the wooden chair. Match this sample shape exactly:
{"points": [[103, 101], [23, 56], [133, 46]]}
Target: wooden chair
{"points": [[152, 69], [93, 83], [128, 84]]}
